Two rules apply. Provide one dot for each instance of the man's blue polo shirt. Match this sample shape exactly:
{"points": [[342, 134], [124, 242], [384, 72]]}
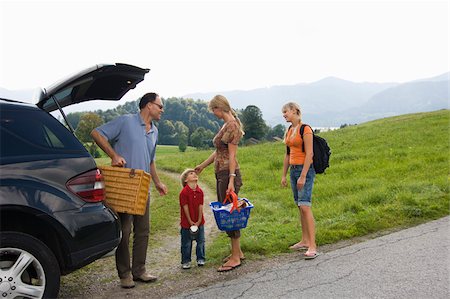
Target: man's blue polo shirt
{"points": [[129, 139]]}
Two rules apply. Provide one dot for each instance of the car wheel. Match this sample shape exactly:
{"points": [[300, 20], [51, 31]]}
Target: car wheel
{"points": [[28, 268]]}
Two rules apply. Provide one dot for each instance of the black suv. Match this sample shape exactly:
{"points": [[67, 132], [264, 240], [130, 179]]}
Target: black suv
{"points": [[52, 216]]}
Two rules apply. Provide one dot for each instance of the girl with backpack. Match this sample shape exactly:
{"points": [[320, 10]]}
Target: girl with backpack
{"points": [[299, 159]]}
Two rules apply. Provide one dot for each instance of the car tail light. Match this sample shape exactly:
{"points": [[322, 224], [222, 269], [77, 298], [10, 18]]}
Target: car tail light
{"points": [[90, 186]]}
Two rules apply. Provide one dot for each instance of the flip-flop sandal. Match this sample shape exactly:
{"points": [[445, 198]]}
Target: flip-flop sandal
{"points": [[298, 247], [226, 259], [310, 255], [224, 268]]}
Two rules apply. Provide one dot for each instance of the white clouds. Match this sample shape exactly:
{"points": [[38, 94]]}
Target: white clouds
{"points": [[195, 46]]}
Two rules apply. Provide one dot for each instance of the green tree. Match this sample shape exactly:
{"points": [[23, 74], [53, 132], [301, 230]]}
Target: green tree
{"points": [[191, 113], [88, 122], [108, 115], [254, 125], [181, 128], [201, 138], [74, 118], [182, 143], [166, 133], [181, 132], [277, 131]]}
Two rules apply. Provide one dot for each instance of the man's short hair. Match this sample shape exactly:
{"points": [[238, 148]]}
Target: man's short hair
{"points": [[147, 98], [184, 176]]}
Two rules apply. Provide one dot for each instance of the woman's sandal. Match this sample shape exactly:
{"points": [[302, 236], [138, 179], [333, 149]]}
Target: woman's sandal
{"points": [[310, 255], [224, 268], [226, 259], [298, 247]]}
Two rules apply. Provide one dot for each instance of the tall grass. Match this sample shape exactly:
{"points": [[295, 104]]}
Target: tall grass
{"points": [[393, 172]]}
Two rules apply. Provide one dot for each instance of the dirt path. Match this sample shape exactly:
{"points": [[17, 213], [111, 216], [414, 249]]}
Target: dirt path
{"points": [[210, 223]]}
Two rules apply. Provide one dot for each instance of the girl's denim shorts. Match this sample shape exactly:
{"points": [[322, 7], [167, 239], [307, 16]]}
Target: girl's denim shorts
{"points": [[302, 197]]}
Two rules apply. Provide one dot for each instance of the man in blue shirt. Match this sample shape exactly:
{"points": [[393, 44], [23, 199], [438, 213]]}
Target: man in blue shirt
{"points": [[130, 141]]}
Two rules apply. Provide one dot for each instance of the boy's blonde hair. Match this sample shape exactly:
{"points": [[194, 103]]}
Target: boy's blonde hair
{"points": [[184, 175]]}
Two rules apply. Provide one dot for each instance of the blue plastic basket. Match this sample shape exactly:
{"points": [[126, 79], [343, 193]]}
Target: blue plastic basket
{"points": [[227, 221]]}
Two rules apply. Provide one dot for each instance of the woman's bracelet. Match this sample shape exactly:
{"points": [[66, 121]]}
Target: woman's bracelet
{"points": [[232, 174]]}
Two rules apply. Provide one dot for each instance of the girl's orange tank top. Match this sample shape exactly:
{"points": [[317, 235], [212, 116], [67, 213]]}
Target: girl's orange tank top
{"points": [[295, 143]]}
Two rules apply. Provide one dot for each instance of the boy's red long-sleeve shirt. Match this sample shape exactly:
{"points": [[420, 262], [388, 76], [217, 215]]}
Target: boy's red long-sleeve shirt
{"points": [[193, 198]]}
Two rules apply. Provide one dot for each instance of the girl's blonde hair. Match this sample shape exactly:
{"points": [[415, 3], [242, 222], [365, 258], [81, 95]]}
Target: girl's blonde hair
{"points": [[184, 175], [291, 106], [221, 102]]}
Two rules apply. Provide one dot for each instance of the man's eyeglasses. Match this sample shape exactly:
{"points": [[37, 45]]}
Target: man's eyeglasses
{"points": [[159, 106]]}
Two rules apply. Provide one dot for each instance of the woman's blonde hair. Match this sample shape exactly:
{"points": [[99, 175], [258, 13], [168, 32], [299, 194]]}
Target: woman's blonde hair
{"points": [[291, 106], [221, 102]]}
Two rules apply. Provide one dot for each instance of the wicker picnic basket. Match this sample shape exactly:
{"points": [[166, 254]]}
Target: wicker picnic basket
{"points": [[126, 189]]}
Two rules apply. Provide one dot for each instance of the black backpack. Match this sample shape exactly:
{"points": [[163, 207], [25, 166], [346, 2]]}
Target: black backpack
{"points": [[322, 151]]}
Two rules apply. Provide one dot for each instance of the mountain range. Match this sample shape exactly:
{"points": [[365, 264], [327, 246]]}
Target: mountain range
{"points": [[331, 102]]}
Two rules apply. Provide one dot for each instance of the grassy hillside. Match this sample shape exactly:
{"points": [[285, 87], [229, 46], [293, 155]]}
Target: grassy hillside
{"points": [[392, 172]]}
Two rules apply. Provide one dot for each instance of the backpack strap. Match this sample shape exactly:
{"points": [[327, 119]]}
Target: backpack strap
{"points": [[302, 130], [288, 149]]}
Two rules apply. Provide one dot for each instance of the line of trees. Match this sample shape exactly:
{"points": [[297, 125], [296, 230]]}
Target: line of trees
{"points": [[185, 122]]}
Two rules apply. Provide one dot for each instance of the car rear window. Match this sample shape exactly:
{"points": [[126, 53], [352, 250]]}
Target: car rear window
{"points": [[34, 132]]}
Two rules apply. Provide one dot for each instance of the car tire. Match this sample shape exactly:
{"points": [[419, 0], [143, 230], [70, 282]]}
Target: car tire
{"points": [[28, 267]]}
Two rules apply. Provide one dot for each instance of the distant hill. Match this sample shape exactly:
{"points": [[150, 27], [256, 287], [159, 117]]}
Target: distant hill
{"points": [[333, 101], [420, 96]]}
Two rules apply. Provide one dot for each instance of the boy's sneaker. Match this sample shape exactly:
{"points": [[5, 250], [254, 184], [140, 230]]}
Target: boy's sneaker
{"points": [[186, 266], [200, 263]]}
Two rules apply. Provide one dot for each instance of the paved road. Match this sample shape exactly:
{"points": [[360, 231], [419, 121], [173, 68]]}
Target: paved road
{"points": [[413, 263]]}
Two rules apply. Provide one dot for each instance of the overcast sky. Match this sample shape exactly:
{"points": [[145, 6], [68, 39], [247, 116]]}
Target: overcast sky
{"points": [[202, 46]]}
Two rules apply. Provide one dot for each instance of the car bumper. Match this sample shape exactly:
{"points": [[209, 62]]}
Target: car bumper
{"points": [[99, 235]]}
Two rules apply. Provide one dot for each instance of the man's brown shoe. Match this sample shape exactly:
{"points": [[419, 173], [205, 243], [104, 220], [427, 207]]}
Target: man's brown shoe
{"points": [[145, 278], [127, 282]]}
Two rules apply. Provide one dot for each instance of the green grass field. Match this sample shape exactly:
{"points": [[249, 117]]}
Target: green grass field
{"points": [[384, 174], [170, 149]]}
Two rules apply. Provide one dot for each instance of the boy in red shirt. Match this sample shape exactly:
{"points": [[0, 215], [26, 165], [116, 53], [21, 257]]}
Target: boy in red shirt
{"points": [[192, 220]]}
